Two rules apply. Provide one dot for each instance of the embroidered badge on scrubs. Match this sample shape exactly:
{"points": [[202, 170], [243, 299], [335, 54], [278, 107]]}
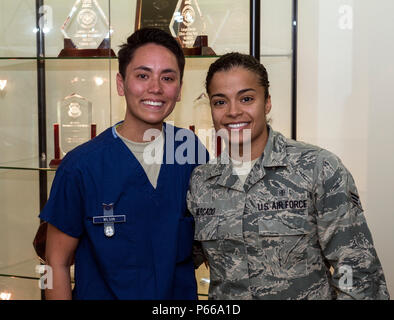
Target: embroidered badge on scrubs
{"points": [[108, 219]]}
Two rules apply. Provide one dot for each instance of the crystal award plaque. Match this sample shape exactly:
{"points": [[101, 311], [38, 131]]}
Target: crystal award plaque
{"points": [[55, 162], [74, 125], [188, 26], [86, 31]]}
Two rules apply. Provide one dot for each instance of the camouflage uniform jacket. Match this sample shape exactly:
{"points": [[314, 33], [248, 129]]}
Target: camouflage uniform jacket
{"points": [[277, 236]]}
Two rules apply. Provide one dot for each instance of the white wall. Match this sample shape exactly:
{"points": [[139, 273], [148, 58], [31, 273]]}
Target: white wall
{"points": [[345, 101]]}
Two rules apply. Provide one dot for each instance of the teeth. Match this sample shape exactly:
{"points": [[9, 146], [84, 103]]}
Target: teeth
{"points": [[237, 125], [153, 103]]}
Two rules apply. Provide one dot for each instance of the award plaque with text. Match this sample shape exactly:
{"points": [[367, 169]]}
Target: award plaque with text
{"points": [[74, 127], [75, 118], [188, 26], [155, 14], [86, 31], [55, 162], [180, 18]]}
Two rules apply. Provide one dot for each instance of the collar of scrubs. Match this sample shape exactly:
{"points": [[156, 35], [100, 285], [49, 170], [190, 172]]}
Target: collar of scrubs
{"points": [[115, 134], [165, 172], [140, 147]]}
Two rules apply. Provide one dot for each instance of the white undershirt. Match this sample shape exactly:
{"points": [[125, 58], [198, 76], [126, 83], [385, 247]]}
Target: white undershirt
{"points": [[149, 155], [242, 168]]}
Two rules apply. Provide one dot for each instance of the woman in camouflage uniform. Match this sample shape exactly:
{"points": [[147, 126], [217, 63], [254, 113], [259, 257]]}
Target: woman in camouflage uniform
{"points": [[288, 223]]}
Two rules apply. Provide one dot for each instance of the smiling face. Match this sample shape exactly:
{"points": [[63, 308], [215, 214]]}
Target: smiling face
{"points": [[238, 104], [152, 86]]}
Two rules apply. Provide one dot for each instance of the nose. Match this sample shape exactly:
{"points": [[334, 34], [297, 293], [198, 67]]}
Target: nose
{"points": [[155, 86], [234, 110]]}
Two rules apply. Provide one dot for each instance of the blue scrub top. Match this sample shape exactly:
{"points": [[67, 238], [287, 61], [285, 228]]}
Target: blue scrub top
{"points": [[149, 256]]}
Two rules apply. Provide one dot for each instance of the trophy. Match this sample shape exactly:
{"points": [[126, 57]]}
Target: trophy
{"points": [[86, 31], [188, 26], [74, 126], [154, 14]]}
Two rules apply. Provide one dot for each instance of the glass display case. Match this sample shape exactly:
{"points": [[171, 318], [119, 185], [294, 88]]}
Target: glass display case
{"points": [[34, 80]]}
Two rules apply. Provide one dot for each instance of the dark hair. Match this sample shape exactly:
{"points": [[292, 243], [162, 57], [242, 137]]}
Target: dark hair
{"points": [[149, 35], [235, 59]]}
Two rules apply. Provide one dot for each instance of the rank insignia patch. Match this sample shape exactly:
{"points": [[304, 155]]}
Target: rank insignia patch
{"points": [[355, 199]]}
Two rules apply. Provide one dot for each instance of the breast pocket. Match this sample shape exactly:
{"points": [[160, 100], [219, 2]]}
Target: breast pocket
{"points": [[284, 243], [206, 228]]}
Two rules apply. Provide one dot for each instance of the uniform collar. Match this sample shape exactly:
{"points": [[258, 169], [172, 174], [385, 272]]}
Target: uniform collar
{"points": [[274, 156], [115, 134], [275, 150]]}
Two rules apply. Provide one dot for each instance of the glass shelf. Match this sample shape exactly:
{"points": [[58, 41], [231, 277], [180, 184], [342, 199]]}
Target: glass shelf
{"points": [[20, 281], [18, 58], [25, 164], [114, 58], [56, 58], [15, 288], [23, 269]]}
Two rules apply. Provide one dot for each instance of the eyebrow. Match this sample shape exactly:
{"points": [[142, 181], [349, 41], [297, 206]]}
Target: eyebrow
{"points": [[144, 68], [221, 95], [245, 90]]}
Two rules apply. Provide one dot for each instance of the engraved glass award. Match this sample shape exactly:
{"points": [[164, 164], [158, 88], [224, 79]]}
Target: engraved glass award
{"points": [[75, 118], [86, 31], [188, 26]]}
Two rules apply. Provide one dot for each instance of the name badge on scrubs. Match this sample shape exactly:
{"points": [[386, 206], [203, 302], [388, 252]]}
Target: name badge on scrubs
{"points": [[108, 219]]}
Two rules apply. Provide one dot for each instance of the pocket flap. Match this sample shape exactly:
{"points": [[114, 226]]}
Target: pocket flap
{"points": [[273, 227], [206, 228]]}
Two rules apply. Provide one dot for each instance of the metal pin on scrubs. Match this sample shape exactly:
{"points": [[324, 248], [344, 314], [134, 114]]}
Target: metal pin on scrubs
{"points": [[108, 210], [109, 231], [108, 219]]}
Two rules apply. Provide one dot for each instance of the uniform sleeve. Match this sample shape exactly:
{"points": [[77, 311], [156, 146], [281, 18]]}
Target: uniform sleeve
{"points": [[198, 253], [64, 208], [344, 237], [193, 186]]}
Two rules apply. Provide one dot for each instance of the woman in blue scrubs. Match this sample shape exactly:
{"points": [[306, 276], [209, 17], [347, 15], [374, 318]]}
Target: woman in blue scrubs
{"points": [[118, 209]]}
